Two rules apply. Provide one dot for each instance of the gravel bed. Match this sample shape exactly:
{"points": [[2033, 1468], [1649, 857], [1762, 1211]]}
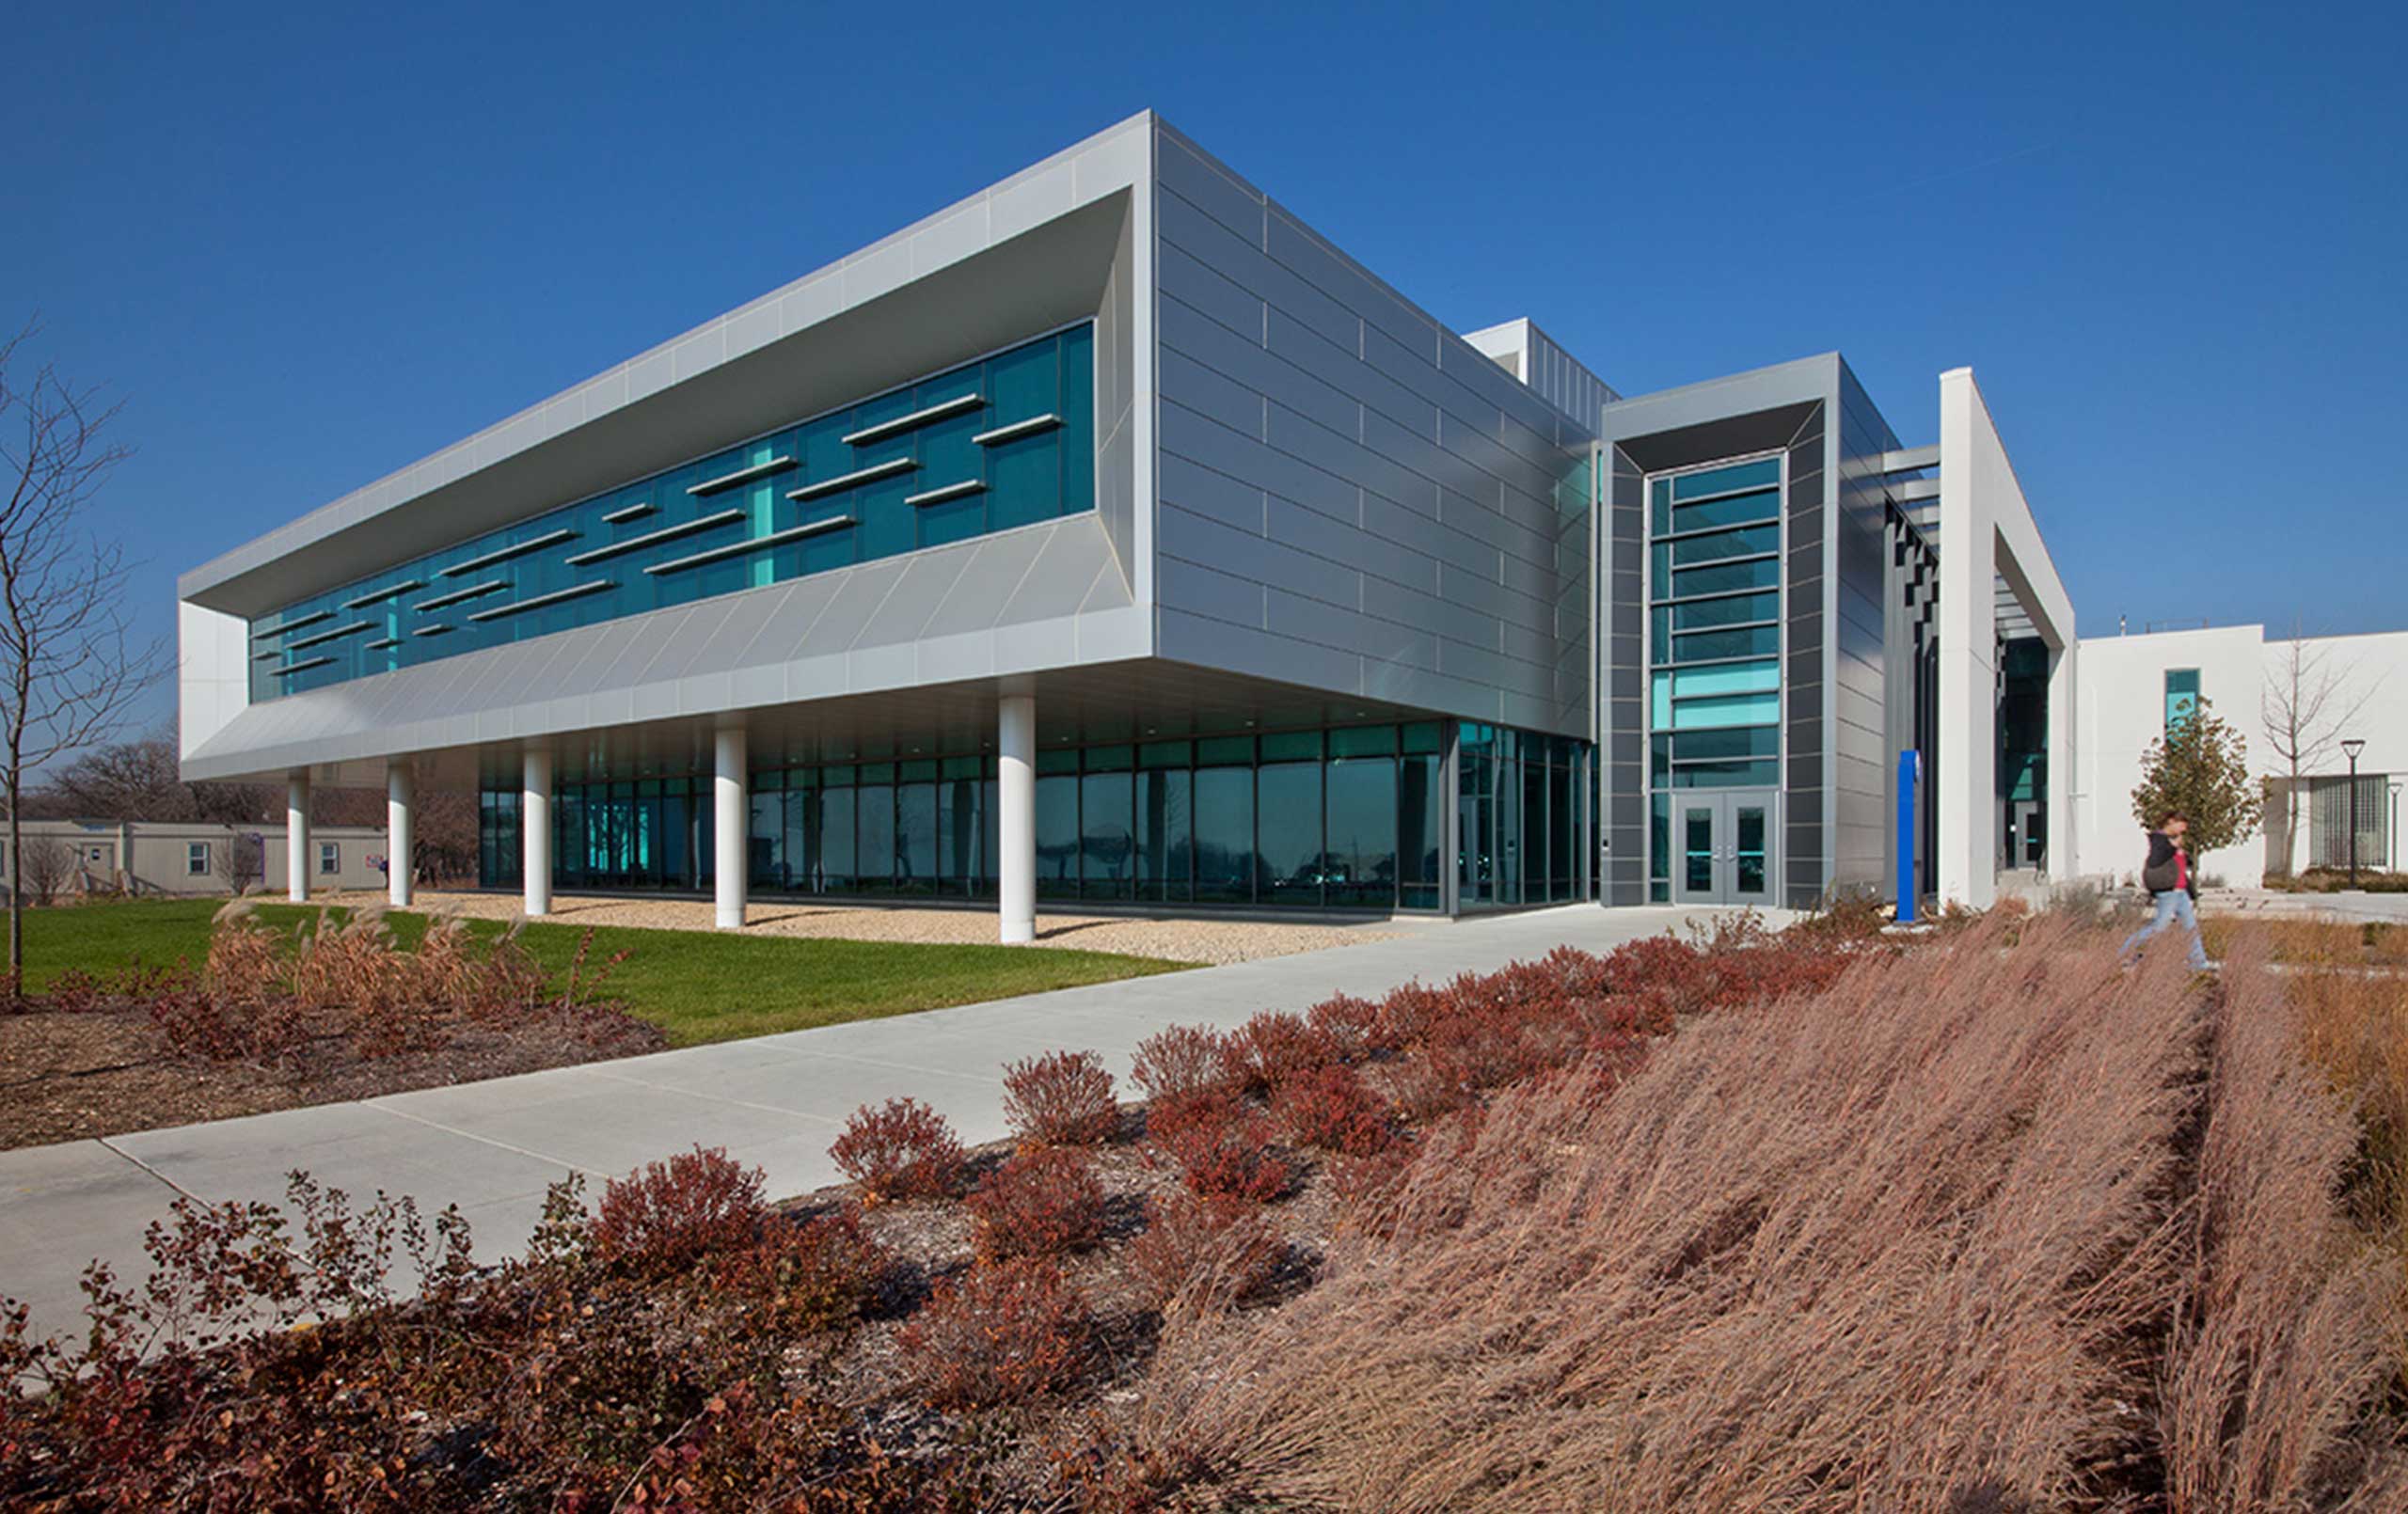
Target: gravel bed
{"points": [[1175, 940]]}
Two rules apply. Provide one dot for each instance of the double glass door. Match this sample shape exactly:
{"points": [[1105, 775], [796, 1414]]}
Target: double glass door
{"points": [[1723, 847]]}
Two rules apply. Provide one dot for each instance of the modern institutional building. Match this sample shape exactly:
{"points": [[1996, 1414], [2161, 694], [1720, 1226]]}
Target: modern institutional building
{"points": [[2309, 696], [1111, 536]]}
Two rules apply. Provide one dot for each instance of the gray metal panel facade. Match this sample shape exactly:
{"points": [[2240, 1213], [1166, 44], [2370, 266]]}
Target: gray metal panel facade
{"points": [[1622, 694], [1562, 380], [1790, 408], [1862, 762], [1349, 495], [1806, 800]]}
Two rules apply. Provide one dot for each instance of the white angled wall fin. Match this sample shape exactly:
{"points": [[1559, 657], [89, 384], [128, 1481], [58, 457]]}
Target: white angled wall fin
{"points": [[519, 606], [792, 533], [846, 480], [900, 424], [503, 554], [741, 475], [1017, 429], [666, 533]]}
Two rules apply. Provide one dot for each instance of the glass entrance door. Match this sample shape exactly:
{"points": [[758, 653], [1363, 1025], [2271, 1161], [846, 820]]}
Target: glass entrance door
{"points": [[1723, 847]]}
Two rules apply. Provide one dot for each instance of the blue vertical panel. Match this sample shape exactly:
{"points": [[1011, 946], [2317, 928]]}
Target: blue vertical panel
{"points": [[1078, 437]]}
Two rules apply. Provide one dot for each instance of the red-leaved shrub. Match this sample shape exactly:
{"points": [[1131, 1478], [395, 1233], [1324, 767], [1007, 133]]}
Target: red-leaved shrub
{"points": [[902, 1149], [1044, 1202], [1269, 1050], [1331, 1108], [805, 1278], [1063, 1099], [673, 1211], [1219, 1145], [1181, 1060], [1349, 1029], [997, 1334], [1407, 1013], [1204, 1252]]}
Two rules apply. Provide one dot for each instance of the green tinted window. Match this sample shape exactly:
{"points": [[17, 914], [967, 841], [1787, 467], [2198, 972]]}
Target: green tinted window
{"points": [[1745, 542], [1004, 441], [1759, 474]]}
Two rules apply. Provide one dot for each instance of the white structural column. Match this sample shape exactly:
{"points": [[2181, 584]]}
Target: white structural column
{"points": [[2064, 799], [535, 829], [400, 795], [1986, 534], [1016, 815], [296, 838], [731, 808]]}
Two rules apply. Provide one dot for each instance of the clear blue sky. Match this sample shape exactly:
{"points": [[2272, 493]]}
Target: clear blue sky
{"points": [[305, 249]]}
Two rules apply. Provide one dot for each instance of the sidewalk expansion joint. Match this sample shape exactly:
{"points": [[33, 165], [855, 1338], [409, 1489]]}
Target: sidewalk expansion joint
{"points": [[165, 1180], [483, 1140]]}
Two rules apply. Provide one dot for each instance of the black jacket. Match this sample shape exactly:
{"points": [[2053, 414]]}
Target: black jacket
{"points": [[2158, 872]]}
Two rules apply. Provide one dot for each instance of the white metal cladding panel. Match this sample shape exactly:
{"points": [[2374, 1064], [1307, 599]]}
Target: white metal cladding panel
{"points": [[1341, 478], [1118, 385], [1042, 596]]}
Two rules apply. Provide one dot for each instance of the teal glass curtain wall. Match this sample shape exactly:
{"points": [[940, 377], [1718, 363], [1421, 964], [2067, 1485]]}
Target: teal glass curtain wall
{"points": [[1522, 830], [1005, 441], [1346, 818], [1714, 640]]}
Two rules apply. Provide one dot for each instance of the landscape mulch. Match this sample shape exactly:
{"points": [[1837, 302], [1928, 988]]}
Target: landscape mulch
{"points": [[74, 1076]]}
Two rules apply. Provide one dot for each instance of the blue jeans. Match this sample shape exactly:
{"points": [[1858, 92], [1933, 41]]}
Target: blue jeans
{"points": [[2173, 905]]}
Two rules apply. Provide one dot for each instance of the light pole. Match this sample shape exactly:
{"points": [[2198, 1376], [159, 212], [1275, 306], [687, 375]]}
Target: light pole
{"points": [[2351, 748]]}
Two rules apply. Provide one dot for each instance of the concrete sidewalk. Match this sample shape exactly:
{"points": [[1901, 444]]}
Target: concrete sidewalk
{"points": [[774, 1101]]}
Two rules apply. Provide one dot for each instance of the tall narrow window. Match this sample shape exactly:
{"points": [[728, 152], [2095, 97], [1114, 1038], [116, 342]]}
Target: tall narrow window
{"points": [[1714, 648], [2182, 695]]}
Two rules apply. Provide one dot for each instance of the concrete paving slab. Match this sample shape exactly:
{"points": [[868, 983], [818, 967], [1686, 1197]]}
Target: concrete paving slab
{"points": [[62, 1205], [810, 1087], [611, 1127], [357, 1148]]}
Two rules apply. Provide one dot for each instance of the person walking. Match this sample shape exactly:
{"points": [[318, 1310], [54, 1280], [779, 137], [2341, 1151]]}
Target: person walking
{"points": [[2174, 886]]}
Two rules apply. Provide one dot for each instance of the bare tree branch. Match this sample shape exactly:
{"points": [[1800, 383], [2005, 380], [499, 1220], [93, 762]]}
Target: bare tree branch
{"points": [[2306, 706], [69, 669]]}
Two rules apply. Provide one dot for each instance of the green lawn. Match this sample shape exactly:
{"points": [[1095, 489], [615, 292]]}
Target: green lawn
{"points": [[696, 987]]}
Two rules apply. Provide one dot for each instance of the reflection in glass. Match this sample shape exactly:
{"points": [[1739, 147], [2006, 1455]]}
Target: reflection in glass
{"points": [[1750, 847], [958, 826], [1697, 874], [915, 837], [1362, 831], [834, 870], [873, 838], [1225, 834], [1166, 834], [1269, 821], [1288, 833], [1422, 831], [1106, 841], [1057, 837]]}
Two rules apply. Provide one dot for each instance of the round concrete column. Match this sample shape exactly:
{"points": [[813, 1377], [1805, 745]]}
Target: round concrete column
{"points": [[401, 794], [296, 838], [1016, 815], [535, 830], [731, 810]]}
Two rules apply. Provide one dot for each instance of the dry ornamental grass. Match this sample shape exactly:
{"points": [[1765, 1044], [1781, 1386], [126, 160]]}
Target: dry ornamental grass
{"points": [[1982, 1226]]}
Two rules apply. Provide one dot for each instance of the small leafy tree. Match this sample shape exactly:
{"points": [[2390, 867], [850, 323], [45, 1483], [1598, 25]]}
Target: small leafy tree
{"points": [[2200, 767]]}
